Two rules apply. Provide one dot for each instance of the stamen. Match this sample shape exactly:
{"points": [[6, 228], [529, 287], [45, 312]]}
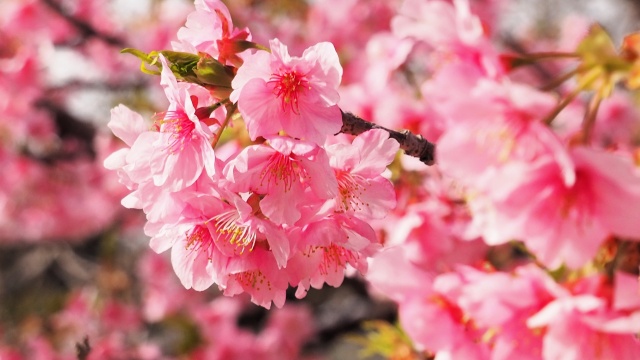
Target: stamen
{"points": [[199, 239], [350, 188], [254, 279], [282, 168], [287, 87], [242, 236], [178, 124], [336, 258]]}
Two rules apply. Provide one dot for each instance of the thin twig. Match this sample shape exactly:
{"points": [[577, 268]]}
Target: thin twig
{"points": [[413, 145], [560, 80], [590, 117], [84, 27], [83, 349], [76, 85]]}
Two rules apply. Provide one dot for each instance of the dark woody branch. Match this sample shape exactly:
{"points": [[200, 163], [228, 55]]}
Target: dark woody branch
{"points": [[86, 29], [413, 145], [68, 127]]}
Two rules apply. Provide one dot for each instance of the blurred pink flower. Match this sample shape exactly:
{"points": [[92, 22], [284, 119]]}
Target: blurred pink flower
{"points": [[566, 223], [576, 329]]}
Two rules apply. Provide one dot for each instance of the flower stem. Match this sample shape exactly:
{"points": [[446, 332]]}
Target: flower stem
{"points": [[548, 55], [558, 81], [584, 84], [590, 117], [231, 109]]}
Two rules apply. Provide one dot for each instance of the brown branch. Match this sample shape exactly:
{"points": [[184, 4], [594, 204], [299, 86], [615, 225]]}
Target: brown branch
{"points": [[68, 127], [76, 85], [413, 145], [86, 29], [83, 349]]}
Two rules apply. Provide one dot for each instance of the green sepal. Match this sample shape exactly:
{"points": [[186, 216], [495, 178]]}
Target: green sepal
{"points": [[149, 59], [182, 63], [212, 72], [201, 69]]}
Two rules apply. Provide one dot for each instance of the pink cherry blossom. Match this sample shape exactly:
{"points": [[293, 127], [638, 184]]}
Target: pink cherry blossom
{"points": [[162, 294], [301, 207], [432, 22], [435, 233], [499, 303], [214, 240], [210, 29], [299, 95], [327, 248], [421, 306], [287, 331], [126, 125], [182, 145], [493, 124], [359, 166], [566, 223], [451, 29], [281, 169], [261, 278], [583, 326]]}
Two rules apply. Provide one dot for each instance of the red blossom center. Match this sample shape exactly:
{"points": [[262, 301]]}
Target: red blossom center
{"points": [[178, 124], [576, 204], [288, 86], [282, 170], [334, 258]]}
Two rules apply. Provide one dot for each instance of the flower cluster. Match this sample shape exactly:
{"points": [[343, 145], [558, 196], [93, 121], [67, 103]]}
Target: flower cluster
{"points": [[293, 208], [500, 315], [516, 244]]}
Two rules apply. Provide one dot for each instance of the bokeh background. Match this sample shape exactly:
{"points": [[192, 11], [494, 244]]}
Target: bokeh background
{"points": [[77, 279]]}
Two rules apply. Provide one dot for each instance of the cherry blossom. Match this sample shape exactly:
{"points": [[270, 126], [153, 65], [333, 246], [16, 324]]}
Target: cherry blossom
{"points": [[210, 29], [295, 94], [517, 243], [281, 171], [359, 167]]}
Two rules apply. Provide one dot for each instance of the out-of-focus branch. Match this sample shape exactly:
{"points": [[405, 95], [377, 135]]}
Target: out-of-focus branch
{"points": [[82, 26], [76, 85], [412, 144], [69, 127], [544, 74], [83, 349]]}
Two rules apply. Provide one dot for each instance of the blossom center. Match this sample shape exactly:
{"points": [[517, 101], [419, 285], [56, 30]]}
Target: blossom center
{"points": [[350, 189], [231, 233], [335, 258], [282, 169], [575, 205], [288, 86], [178, 124], [254, 279], [199, 239]]}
